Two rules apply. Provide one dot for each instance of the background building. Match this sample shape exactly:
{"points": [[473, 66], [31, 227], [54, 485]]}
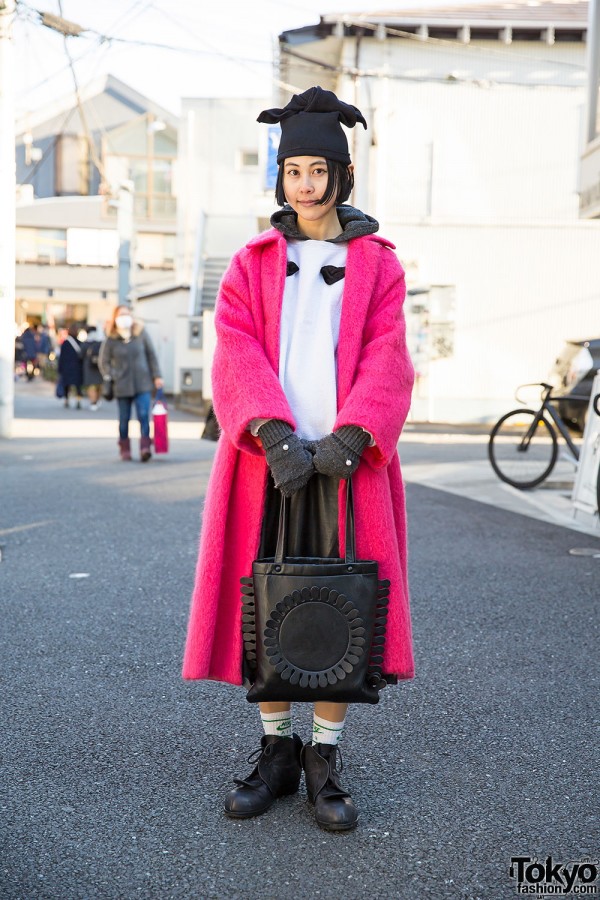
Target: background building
{"points": [[471, 165], [589, 182], [71, 161], [474, 164], [222, 203]]}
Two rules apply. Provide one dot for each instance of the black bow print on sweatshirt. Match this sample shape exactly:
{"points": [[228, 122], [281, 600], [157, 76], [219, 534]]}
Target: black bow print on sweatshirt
{"points": [[330, 274]]}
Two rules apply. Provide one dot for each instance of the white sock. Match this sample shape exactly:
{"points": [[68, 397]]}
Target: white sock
{"points": [[279, 723], [325, 732]]}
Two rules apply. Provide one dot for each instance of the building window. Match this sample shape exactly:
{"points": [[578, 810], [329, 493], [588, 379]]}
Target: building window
{"points": [[92, 247], [155, 251], [41, 245], [144, 152], [248, 159]]}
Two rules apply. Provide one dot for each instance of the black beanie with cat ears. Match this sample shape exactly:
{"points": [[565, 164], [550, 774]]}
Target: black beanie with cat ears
{"points": [[311, 125]]}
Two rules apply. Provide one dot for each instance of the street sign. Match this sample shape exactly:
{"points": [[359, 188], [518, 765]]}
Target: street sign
{"points": [[274, 136]]}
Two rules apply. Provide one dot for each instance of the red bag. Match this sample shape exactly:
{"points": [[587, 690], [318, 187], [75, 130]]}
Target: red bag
{"points": [[160, 423]]}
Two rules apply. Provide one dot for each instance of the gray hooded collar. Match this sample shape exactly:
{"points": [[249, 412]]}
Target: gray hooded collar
{"points": [[354, 224]]}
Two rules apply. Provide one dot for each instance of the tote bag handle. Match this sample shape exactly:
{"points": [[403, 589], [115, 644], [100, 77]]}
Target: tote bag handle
{"points": [[350, 536]]}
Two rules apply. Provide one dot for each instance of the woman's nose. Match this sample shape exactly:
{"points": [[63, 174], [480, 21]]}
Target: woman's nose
{"points": [[306, 185]]}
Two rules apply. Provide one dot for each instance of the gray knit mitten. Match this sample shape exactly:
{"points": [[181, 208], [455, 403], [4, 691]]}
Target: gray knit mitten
{"points": [[290, 463], [338, 454]]}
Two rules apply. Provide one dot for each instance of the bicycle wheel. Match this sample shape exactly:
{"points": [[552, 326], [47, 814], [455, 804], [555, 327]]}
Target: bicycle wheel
{"points": [[523, 448]]}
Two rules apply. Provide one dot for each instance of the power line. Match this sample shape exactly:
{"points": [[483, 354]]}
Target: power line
{"points": [[237, 60], [211, 48], [244, 62], [91, 143], [347, 20], [120, 20], [455, 45], [157, 45], [103, 46], [319, 65], [98, 43]]}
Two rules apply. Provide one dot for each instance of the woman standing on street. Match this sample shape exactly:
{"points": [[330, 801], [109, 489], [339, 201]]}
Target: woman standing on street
{"points": [[128, 358], [311, 384]]}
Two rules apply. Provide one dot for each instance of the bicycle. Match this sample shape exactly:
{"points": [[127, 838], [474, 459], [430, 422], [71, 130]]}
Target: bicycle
{"points": [[523, 444]]}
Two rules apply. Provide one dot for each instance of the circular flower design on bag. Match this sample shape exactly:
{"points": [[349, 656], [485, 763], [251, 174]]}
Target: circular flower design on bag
{"points": [[314, 637]]}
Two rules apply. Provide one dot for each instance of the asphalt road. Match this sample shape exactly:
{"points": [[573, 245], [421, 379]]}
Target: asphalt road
{"points": [[113, 768]]}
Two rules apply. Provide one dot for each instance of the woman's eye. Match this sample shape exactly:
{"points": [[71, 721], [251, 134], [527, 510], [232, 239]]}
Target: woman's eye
{"points": [[320, 171]]}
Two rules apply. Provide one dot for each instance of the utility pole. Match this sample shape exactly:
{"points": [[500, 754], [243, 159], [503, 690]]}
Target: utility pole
{"points": [[361, 140], [7, 219], [593, 68], [125, 230]]}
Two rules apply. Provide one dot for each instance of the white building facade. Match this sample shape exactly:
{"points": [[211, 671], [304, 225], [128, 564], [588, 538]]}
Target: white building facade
{"points": [[221, 204], [589, 181], [471, 165]]}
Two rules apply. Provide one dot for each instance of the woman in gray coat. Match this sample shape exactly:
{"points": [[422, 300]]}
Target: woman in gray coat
{"points": [[127, 356]]}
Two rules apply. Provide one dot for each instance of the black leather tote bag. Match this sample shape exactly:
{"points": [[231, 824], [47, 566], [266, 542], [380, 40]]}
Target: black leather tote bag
{"points": [[314, 628]]}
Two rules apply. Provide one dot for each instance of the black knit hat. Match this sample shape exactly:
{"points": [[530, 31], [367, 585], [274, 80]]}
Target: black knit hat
{"points": [[311, 124]]}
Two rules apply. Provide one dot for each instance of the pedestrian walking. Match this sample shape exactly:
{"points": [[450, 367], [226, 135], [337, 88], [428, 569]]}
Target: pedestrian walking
{"points": [[30, 349], [92, 377], [20, 357], [311, 385], [43, 345], [128, 358], [70, 365]]}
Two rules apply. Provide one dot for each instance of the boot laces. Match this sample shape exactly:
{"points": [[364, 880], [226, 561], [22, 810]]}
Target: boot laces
{"points": [[256, 754], [337, 752], [254, 778], [333, 786]]}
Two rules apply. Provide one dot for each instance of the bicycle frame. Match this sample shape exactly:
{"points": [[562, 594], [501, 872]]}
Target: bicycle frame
{"points": [[547, 399], [559, 422]]}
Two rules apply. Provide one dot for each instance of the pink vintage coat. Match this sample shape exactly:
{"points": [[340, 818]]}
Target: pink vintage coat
{"points": [[375, 378]]}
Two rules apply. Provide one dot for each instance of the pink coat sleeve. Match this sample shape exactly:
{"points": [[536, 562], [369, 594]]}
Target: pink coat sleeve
{"points": [[245, 385], [379, 399]]}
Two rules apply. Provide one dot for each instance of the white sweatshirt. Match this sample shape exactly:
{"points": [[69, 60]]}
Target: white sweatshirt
{"points": [[310, 327]]}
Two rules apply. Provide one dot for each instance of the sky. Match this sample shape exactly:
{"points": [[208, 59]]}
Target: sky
{"points": [[221, 47]]}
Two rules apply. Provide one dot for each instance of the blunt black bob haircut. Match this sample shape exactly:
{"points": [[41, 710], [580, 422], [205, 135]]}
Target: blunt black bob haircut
{"points": [[340, 182]]}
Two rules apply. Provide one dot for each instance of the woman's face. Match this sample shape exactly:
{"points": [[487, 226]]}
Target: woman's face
{"points": [[304, 183]]}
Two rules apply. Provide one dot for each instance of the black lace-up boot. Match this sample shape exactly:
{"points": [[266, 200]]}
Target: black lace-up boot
{"points": [[334, 807], [276, 774]]}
